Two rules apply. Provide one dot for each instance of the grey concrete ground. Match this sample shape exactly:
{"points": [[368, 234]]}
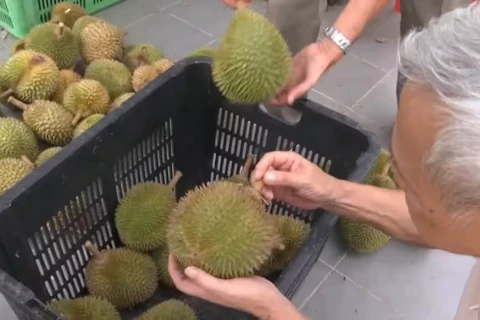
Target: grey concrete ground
{"points": [[399, 281]]}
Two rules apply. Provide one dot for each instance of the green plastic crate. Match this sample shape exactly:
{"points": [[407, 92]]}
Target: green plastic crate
{"points": [[19, 16]]}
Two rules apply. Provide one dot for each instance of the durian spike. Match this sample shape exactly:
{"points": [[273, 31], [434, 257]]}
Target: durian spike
{"points": [[96, 254], [28, 161], [77, 118], [6, 94], [17, 103], [175, 179], [61, 28]]}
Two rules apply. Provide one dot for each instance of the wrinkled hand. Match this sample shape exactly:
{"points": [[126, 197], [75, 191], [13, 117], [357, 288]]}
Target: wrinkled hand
{"points": [[254, 295], [289, 177], [307, 67]]}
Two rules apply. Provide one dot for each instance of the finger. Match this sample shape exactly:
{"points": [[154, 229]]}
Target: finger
{"points": [[300, 90], [272, 161], [282, 179], [204, 280]]}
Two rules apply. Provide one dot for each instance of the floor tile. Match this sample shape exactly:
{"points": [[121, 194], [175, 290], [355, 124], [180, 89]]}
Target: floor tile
{"points": [[5, 310], [349, 80], [212, 16], [314, 278], [175, 37], [421, 283], [334, 249], [380, 107], [127, 12], [338, 298]]}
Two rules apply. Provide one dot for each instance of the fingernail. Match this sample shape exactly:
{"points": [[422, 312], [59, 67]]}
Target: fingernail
{"points": [[270, 176], [191, 272]]}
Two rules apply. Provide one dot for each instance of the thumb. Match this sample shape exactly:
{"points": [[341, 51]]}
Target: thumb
{"points": [[299, 90], [282, 179], [202, 279]]}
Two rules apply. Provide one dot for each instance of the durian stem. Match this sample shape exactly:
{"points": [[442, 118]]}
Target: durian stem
{"points": [[68, 10], [97, 255], [60, 29], [6, 93], [28, 161], [17, 103], [77, 118], [385, 169], [175, 179], [246, 166]]}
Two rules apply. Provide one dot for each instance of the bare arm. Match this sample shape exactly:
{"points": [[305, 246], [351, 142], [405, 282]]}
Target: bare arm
{"points": [[351, 22], [282, 309], [383, 208]]}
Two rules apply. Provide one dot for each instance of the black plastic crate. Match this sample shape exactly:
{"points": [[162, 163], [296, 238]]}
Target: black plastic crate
{"points": [[178, 122]]}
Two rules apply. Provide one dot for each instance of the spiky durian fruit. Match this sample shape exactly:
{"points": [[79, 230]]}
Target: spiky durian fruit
{"points": [[222, 228], [56, 41], [83, 22], [66, 78], [362, 237], [141, 54], [160, 256], [294, 233], [19, 45], [86, 124], [113, 75], [203, 52], [101, 40], [169, 310], [141, 217], [12, 171], [50, 121], [86, 97], [68, 13], [253, 61], [85, 308], [143, 75], [17, 140], [164, 64], [47, 154], [120, 100], [30, 75], [123, 276]]}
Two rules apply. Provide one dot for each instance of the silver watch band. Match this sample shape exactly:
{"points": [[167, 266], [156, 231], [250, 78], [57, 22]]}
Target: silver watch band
{"points": [[339, 39]]}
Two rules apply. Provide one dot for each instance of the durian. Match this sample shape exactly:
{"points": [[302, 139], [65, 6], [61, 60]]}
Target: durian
{"points": [[47, 154], [122, 276], [86, 124], [12, 171], [294, 233], [17, 140], [222, 228], [114, 76], [160, 256], [203, 52], [86, 97], [120, 100], [51, 122], [56, 41], [143, 75], [140, 55], [85, 308], [19, 45], [68, 13], [101, 40], [83, 22], [30, 76], [164, 64], [169, 310], [142, 216], [360, 236], [66, 78], [253, 62]]}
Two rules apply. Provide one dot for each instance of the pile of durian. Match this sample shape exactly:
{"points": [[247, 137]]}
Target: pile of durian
{"points": [[58, 103], [221, 227]]}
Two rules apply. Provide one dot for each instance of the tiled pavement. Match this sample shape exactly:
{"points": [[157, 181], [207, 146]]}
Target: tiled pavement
{"points": [[399, 281]]}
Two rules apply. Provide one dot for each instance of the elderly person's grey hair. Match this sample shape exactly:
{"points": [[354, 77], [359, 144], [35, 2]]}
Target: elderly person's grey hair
{"points": [[445, 57]]}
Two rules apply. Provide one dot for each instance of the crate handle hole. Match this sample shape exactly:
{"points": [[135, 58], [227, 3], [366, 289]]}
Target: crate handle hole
{"points": [[287, 115]]}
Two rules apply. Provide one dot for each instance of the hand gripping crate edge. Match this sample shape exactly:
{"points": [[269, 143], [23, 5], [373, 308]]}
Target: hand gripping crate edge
{"points": [[178, 122]]}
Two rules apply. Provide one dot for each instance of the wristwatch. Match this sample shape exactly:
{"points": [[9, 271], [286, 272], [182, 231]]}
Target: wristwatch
{"points": [[338, 38]]}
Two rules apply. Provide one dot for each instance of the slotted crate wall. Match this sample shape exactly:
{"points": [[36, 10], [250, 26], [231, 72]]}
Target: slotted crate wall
{"points": [[19, 16], [178, 122]]}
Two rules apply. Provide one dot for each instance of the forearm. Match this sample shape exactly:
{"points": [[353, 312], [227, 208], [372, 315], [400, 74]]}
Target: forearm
{"points": [[282, 309], [383, 208]]}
